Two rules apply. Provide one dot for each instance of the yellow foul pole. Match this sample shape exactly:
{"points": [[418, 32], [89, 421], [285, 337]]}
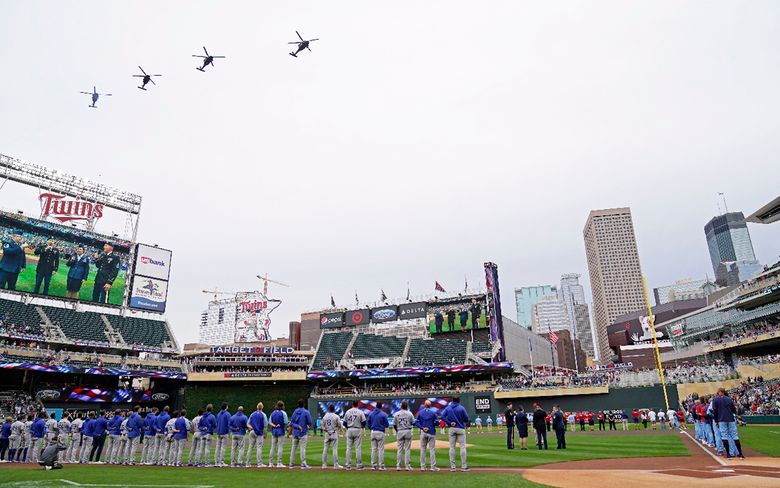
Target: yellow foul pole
{"points": [[655, 342]]}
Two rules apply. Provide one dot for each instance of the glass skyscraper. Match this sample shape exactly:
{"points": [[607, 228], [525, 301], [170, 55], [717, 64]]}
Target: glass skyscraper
{"points": [[525, 299], [729, 241]]}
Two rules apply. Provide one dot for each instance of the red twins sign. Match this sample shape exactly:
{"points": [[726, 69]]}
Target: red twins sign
{"points": [[65, 209]]}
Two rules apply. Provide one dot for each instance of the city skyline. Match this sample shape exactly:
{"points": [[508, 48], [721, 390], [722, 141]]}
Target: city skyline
{"points": [[271, 164]]}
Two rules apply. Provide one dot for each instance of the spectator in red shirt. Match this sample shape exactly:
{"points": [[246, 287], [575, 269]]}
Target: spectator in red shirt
{"points": [[589, 416], [635, 416], [580, 417], [602, 423]]}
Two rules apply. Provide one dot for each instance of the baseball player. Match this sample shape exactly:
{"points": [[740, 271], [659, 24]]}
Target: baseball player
{"points": [[180, 429], [278, 423], [426, 422], [134, 426], [300, 423], [52, 431], [207, 425], [404, 420], [87, 431], [114, 436], [223, 430], [168, 450], [195, 447], [331, 423], [238, 428], [354, 421], [150, 437], [457, 419], [377, 424], [15, 439], [160, 446], [72, 454], [37, 435], [64, 436], [258, 422]]}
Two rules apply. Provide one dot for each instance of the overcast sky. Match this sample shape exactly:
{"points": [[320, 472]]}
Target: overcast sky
{"points": [[416, 141]]}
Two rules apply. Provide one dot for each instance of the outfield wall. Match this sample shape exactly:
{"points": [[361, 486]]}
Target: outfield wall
{"points": [[594, 399], [197, 395]]}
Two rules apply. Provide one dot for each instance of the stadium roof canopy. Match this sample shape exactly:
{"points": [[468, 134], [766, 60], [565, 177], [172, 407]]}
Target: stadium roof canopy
{"points": [[767, 214]]}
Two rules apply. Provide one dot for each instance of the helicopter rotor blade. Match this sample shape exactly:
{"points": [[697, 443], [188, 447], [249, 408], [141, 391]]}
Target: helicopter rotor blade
{"points": [[204, 49], [220, 57], [153, 83], [138, 76], [294, 42], [198, 56], [307, 47], [310, 40], [86, 93], [299, 35], [142, 70]]}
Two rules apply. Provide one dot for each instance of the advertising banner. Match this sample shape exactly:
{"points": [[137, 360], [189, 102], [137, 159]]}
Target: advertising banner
{"points": [[331, 320], [148, 294], [47, 258], [152, 262], [415, 310], [482, 404], [438, 404], [494, 308], [357, 317], [384, 314], [96, 395]]}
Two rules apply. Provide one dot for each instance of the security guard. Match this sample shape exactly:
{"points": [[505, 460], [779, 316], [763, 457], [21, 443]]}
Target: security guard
{"points": [[13, 260], [48, 264], [107, 269]]}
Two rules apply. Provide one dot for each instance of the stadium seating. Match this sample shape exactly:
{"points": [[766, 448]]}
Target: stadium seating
{"points": [[480, 347], [373, 346], [436, 352], [332, 348], [23, 318], [136, 330], [78, 326]]}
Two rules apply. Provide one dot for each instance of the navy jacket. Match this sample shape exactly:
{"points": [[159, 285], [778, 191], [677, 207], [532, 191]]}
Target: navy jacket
{"points": [[377, 420], [426, 418], [79, 270], [13, 260], [456, 413], [557, 421]]}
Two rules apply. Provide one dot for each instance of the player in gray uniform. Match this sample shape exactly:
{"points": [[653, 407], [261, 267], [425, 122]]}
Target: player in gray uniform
{"points": [[195, 448], [256, 442], [63, 427], [121, 457], [331, 424], [27, 439], [354, 421], [72, 454], [15, 439], [52, 431], [166, 449], [404, 420]]}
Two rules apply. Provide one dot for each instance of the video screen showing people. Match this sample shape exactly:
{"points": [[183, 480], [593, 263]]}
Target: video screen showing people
{"points": [[458, 314], [55, 260]]}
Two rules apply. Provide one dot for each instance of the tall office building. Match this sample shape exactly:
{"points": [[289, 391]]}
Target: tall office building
{"points": [[731, 250], [615, 273], [572, 295], [549, 315], [526, 297]]}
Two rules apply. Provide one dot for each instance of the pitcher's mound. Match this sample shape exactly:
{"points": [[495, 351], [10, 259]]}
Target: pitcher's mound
{"points": [[440, 443]]}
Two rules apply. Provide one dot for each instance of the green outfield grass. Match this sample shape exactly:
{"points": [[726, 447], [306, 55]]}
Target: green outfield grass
{"points": [[59, 281], [486, 451], [762, 438]]}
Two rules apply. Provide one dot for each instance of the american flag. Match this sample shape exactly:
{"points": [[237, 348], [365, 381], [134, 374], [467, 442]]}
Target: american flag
{"points": [[553, 338]]}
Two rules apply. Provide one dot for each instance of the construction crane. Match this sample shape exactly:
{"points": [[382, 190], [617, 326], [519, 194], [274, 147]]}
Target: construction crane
{"points": [[267, 280], [216, 293]]}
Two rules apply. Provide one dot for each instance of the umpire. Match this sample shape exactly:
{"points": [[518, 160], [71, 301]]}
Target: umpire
{"points": [[107, 266]]}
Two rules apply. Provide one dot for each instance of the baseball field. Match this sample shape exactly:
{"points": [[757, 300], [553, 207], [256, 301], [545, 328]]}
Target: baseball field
{"points": [[603, 459]]}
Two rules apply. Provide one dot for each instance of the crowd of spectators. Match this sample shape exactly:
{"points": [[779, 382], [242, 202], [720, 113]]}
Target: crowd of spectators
{"points": [[747, 333], [758, 397]]}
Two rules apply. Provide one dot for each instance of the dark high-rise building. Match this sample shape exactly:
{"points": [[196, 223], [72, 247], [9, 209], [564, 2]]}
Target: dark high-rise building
{"points": [[728, 240]]}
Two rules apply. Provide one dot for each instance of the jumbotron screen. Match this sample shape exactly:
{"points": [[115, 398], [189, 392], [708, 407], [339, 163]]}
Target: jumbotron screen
{"points": [[468, 312], [61, 261]]}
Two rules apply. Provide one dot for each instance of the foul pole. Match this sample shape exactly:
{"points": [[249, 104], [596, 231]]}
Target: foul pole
{"points": [[655, 342]]}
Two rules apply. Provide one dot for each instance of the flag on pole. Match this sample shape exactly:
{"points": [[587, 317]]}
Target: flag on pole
{"points": [[332, 302], [466, 285], [408, 293], [440, 288], [383, 297], [357, 300], [530, 346], [553, 338]]}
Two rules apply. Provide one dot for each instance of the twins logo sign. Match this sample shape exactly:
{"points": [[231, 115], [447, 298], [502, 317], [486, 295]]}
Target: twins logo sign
{"points": [[253, 319]]}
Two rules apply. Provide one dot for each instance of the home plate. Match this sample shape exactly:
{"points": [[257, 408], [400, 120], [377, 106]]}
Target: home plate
{"points": [[393, 446]]}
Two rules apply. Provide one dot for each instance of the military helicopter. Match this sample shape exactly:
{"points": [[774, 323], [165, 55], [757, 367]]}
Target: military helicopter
{"points": [[95, 96], [146, 79], [208, 59], [302, 44]]}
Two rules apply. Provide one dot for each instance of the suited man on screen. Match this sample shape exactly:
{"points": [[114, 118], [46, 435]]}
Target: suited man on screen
{"points": [[107, 265], [48, 264], [78, 273]]}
